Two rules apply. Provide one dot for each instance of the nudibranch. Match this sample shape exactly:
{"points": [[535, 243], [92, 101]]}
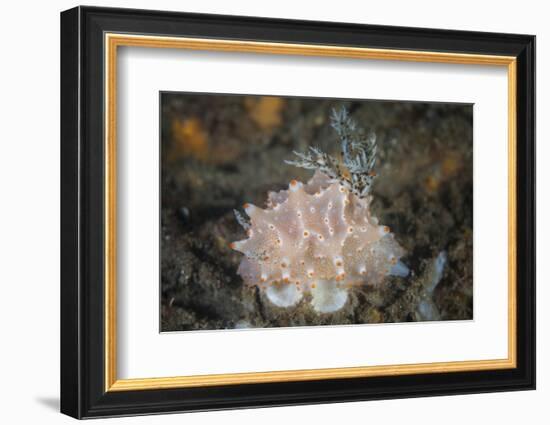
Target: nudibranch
{"points": [[319, 239]]}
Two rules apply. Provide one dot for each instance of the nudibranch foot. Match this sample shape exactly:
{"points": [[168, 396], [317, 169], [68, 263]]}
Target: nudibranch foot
{"points": [[399, 269], [283, 295], [327, 297]]}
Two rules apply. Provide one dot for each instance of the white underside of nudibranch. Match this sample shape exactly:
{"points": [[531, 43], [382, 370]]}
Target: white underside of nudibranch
{"points": [[317, 239]]}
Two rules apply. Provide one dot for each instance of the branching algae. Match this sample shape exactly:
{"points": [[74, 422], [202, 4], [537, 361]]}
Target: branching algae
{"points": [[320, 238]]}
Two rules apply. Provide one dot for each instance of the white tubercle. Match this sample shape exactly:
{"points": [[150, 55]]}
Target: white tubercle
{"points": [[286, 275], [249, 208]]}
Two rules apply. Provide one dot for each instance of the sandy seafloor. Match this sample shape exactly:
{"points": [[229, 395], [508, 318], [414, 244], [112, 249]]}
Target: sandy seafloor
{"points": [[219, 152]]}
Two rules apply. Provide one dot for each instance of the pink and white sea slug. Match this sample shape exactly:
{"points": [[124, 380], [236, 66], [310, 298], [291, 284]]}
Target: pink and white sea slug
{"points": [[316, 240]]}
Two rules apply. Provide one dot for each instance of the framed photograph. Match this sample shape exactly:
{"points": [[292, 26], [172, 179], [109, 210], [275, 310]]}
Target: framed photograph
{"points": [[261, 212]]}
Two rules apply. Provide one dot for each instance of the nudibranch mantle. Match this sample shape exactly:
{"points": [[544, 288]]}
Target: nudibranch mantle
{"points": [[319, 238]]}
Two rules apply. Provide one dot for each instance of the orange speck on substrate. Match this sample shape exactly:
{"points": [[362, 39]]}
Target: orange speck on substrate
{"points": [[432, 183], [286, 280], [265, 111], [293, 182], [232, 245], [189, 139], [372, 174], [313, 285], [306, 233], [386, 229], [338, 263], [246, 205], [450, 165], [283, 265]]}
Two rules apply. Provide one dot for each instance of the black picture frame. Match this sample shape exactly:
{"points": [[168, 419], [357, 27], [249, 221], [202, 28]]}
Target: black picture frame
{"points": [[83, 392]]}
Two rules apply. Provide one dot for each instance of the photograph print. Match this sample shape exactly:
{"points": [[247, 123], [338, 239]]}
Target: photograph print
{"points": [[290, 211]]}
